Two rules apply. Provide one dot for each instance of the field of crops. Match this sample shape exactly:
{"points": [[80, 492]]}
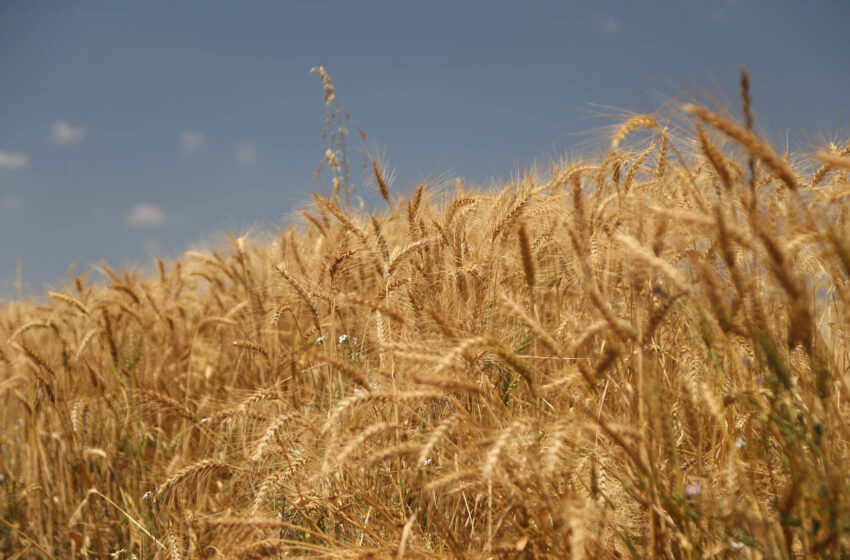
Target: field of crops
{"points": [[642, 353]]}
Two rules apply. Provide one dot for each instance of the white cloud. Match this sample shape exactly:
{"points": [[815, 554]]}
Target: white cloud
{"points": [[246, 154], [610, 25], [145, 215], [10, 160], [64, 132], [11, 202], [191, 142]]}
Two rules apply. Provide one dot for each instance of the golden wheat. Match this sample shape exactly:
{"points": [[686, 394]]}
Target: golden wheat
{"points": [[641, 353]]}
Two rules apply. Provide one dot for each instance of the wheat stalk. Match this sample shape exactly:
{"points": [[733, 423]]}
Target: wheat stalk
{"points": [[748, 140], [190, 475]]}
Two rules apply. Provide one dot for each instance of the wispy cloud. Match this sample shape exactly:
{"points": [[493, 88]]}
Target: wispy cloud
{"points": [[246, 154], [718, 13], [12, 160], [191, 142], [145, 215], [64, 132], [11, 202], [610, 25]]}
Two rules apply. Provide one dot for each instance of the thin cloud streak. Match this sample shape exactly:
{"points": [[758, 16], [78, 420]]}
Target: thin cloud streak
{"points": [[12, 160], [611, 25], [246, 154], [63, 132], [191, 142], [11, 202], [145, 215]]}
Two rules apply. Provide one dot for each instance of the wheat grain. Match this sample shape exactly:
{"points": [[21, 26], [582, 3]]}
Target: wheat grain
{"points": [[382, 185], [750, 141], [69, 300], [378, 397], [634, 123], [189, 475], [339, 456], [165, 402], [272, 433], [347, 369]]}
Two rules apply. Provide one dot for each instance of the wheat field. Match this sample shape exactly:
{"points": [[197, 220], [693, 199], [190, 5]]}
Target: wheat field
{"points": [[639, 353]]}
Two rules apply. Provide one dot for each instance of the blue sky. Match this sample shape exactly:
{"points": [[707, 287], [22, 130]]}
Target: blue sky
{"points": [[134, 129]]}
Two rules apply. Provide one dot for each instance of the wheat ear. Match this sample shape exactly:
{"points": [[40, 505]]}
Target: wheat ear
{"points": [[190, 474], [749, 140]]}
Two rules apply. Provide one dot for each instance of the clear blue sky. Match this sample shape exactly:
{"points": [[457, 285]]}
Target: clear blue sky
{"points": [[131, 129]]}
